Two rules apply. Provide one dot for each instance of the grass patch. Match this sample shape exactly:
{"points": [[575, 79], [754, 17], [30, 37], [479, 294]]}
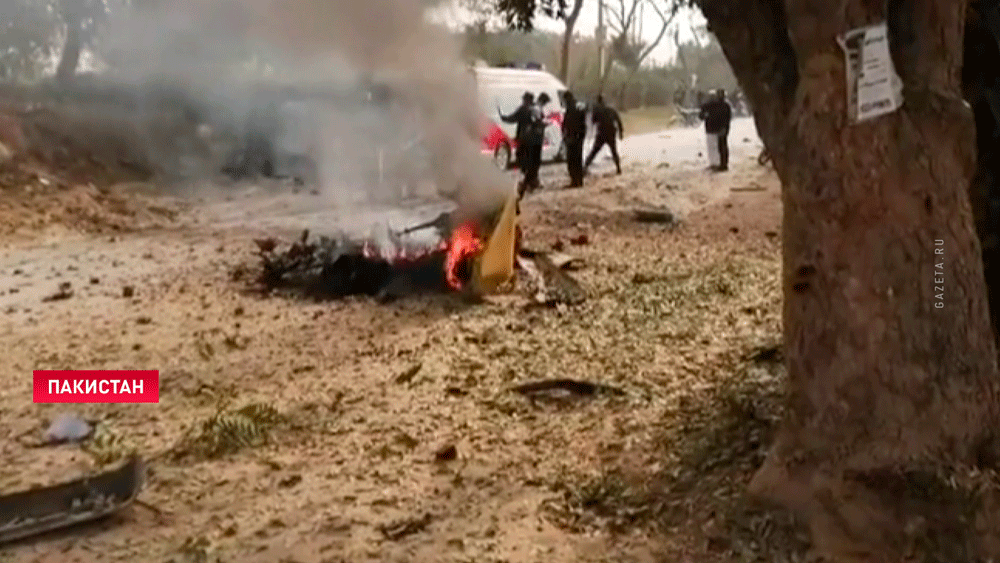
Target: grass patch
{"points": [[649, 119]]}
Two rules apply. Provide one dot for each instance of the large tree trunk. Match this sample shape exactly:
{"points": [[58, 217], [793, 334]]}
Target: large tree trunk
{"points": [[623, 91], [567, 41], [890, 354], [72, 48]]}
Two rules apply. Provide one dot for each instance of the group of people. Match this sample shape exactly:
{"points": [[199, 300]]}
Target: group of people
{"points": [[530, 119], [529, 136]]}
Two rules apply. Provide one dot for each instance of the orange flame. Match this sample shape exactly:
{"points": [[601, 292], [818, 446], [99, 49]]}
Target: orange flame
{"points": [[463, 244]]}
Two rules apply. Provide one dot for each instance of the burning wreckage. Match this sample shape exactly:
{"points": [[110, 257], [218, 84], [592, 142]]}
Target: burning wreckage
{"points": [[468, 258]]}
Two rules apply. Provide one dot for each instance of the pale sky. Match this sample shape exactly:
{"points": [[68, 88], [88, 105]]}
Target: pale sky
{"points": [[685, 21]]}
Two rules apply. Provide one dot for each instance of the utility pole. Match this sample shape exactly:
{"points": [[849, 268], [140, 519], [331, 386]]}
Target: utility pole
{"points": [[600, 41]]}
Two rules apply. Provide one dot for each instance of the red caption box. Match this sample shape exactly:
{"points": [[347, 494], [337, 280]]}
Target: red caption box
{"points": [[96, 386]]}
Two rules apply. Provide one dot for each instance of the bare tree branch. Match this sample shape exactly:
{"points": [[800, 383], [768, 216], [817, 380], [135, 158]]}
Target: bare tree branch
{"points": [[666, 20], [681, 57], [617, 15]]}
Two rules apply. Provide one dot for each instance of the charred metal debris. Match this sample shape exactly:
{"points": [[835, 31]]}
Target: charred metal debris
{"points": [[336, 267]]}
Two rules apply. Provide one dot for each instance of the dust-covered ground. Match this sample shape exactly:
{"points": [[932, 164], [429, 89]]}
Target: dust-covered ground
{"points": [[399, 437]]}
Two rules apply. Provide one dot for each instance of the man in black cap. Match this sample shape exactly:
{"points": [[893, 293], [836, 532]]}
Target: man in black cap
{"points": [[609, 130], [717, 115], [574, 130], [529, 136]]}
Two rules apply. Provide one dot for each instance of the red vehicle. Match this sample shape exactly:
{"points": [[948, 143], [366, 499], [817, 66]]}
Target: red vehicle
{"points": [[501, 89]]}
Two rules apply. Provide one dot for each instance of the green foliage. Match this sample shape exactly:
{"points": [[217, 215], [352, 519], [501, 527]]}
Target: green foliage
{"points": [[228, 432], [520, 14], [107, 447]]}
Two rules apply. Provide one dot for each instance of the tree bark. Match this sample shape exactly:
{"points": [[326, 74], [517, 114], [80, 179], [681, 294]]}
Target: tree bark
{"points": [[891, 360], [567, 41]]}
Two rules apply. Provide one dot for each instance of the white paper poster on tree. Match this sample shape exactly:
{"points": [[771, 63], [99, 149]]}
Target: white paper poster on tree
{"points": [[873, 87]]}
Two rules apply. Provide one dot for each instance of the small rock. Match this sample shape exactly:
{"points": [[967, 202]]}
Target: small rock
{"points": [[68, 428], [580, 239], [65, 291], [238, 312], [128, 291], [733, 230], [290, 481], [143, 320], [408, 374], [770, 234], [643, 278], [558, 245], [95, 281], [654, 216], [446, 453]]}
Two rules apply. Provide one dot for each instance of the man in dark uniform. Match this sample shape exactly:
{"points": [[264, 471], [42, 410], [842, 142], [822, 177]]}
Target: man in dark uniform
{"points": [[574, 130], [718, 114], [530, 136], [609, 130]]}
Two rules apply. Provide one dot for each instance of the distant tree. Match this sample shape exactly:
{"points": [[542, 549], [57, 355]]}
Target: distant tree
{"points": [[34, 31], [521, 14], [27, 38], [627, 47]]}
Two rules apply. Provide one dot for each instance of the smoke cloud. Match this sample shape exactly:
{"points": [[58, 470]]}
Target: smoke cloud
{"points": [[423, 138]]}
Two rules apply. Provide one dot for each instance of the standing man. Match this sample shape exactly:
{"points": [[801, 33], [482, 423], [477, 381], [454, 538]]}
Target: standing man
{"points": [[717, 115], [529, 136], [574, 130], [609, 130]]}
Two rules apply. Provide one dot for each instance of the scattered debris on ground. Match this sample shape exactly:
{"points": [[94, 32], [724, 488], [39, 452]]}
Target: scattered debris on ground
{"points": [[65, 291], [663, 216], [336, 267], [750, 188], [566, 386], [552, 286], [391, 414], [398, 530], [87, 499]]}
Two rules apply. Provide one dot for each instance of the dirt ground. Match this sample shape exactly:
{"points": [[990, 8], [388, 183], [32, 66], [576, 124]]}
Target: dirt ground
{"points": [[684, 319]]}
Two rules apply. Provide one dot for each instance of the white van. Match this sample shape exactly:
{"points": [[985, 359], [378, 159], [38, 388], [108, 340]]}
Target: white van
{"points": [[503, 88]]}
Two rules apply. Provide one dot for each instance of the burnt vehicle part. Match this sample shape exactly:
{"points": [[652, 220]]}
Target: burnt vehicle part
{"points": [[337, 267], [88, 499]]}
